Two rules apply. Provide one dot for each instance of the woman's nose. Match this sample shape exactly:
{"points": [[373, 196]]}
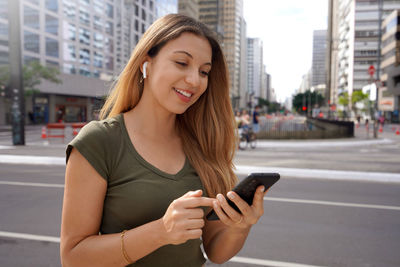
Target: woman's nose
{"points": [[192, 78]]}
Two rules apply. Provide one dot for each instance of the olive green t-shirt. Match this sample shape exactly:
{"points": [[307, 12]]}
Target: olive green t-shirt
{"points": [[137, 192]]}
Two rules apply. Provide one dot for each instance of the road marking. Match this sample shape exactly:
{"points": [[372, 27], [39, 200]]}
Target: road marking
{"points": [[261, 262], [7, 147], [32, 184], [323, 174], [268, 262], [313, 144], [32, 160], [331, 203], [240, 169], [30, 237]]}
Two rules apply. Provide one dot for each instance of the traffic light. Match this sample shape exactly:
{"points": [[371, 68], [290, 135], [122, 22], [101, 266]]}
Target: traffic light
{"points": [[304, 108]]}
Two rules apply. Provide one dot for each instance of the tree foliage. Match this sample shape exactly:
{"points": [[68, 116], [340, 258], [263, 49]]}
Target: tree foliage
{"points": [[33, 73], [307, 99]]}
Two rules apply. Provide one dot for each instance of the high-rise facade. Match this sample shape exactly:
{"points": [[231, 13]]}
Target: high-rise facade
{"points": [[164, 7], [211, 14], [232, 14], [389, 94], [88, 40], [354, 33], [189, 8], [318, 58], [255, 66]]}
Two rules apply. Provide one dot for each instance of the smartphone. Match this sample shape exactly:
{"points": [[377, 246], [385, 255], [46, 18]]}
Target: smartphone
{"points": [[247, 188]]}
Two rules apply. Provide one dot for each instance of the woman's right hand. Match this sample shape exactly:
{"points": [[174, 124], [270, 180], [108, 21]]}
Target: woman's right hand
{"points": [[184, 218]]}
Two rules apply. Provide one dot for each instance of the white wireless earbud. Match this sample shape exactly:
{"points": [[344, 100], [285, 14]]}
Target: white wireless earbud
{"points": [[144, 70]]}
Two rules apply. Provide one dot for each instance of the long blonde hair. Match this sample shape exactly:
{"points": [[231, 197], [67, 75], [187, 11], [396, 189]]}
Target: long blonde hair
{"points": [[207, 127]]}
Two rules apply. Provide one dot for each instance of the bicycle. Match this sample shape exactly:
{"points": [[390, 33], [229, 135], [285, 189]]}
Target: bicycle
{"points": [[247, 137]]}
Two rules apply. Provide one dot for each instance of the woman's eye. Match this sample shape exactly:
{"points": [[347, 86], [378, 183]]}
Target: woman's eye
{"points": [[204, 73], [181, 63]]}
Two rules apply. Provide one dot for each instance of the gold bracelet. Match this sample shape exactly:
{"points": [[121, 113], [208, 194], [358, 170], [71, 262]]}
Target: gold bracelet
{"points": [[126, 257]]}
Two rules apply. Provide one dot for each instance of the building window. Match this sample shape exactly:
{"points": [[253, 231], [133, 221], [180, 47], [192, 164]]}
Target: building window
{"points": [[3, 9], [69, 52], [51, 25], [98, 40], [3, 34], [143, 28], [29, 59], [143, 15], [31, 42], [69, 9], [31, 17], [84, 16], [52, 5], [69, 68], [84, 36], [69, 31], [97, 60], [136, 25], [98, 6], [35, 2], [84, 56], [52, 64], [109, 47], [110, 11], [85, 2], [97, 23], [109, 63], [51, 47], [84, 71], [109, 28]]}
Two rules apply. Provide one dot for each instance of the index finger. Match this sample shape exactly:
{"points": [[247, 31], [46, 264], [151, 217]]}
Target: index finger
{"points": [[198, 202]]}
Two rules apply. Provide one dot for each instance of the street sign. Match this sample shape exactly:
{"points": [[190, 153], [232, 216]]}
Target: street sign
{"points": [[371, 70]]}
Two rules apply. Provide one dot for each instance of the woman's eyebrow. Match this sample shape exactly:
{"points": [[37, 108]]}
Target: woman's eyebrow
{"points": [[189, 55]]}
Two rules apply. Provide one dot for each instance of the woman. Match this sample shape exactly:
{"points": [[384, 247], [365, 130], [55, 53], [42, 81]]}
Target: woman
{"points": [[138, 182]]}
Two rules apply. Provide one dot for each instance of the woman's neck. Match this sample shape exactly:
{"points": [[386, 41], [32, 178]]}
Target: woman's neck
{"points": [[152, 120]]}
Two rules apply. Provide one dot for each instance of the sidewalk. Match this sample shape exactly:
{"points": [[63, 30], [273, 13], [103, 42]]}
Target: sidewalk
{"points": [[55, 147]]}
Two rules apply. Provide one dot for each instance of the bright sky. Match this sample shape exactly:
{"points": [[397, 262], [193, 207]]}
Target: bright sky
{"points": [[286, 28]]}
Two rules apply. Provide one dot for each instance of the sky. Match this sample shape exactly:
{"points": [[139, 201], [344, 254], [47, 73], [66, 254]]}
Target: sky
{"points": [[286, 28]]}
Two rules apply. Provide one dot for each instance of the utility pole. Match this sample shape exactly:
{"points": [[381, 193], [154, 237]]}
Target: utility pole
{"points": [[378, 78], [16, 79]]}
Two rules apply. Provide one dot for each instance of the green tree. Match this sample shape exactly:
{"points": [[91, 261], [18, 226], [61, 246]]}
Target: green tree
{"points": [[356, 97], [306, 99], [33, 73]]}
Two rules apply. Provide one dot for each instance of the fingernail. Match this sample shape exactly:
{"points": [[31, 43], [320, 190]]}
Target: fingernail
{"points": [[215, 203], [220, 198], [231, 195], [262, 189]]}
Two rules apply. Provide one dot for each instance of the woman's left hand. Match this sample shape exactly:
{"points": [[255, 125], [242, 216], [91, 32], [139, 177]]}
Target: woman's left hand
{"points": [[250, 214]]}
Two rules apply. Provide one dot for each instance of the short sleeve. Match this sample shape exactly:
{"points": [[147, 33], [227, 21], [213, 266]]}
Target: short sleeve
{"points": [[92, 142]]}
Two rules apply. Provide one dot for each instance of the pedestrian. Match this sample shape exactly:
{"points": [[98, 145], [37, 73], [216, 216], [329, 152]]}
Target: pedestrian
{"points": [[256, 119], [140, 181], [367, 127]]}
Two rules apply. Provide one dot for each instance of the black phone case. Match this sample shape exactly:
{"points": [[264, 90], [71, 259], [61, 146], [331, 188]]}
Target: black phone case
{"points": [[246, 189]]}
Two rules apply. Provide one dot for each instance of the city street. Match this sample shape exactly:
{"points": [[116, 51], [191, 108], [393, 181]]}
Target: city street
{"points": [[337, 203]]}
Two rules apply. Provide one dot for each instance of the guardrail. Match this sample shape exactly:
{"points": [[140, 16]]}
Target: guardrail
{"points": [[58, 130]]}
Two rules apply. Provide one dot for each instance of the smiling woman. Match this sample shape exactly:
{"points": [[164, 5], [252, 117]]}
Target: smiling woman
{"points": [[145, 175]]}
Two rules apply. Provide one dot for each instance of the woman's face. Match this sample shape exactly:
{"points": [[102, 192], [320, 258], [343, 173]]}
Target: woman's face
{"points": [[178, 75]]}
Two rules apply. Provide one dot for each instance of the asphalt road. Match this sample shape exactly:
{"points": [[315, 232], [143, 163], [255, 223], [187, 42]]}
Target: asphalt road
{"points": [[308, 221]]}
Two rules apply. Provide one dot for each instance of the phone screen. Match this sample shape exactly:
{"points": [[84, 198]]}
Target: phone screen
{"points": [[247, 188]]}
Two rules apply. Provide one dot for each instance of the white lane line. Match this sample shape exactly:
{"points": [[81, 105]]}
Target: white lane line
{"points": [[313, 144], [261, 262], [323, 174], [331, 203], [32, 160], [241, 169], [7, 147], [30, 237], [32, 184], [268, 262]]}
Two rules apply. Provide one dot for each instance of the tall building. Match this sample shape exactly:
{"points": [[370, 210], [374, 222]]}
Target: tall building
{"points": [[243, 90], [318, 58], [189, 8], [164, 7], [211, 14], [255, 66], [389, 94], [232, 14], [88, 40], [354, 33]]}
